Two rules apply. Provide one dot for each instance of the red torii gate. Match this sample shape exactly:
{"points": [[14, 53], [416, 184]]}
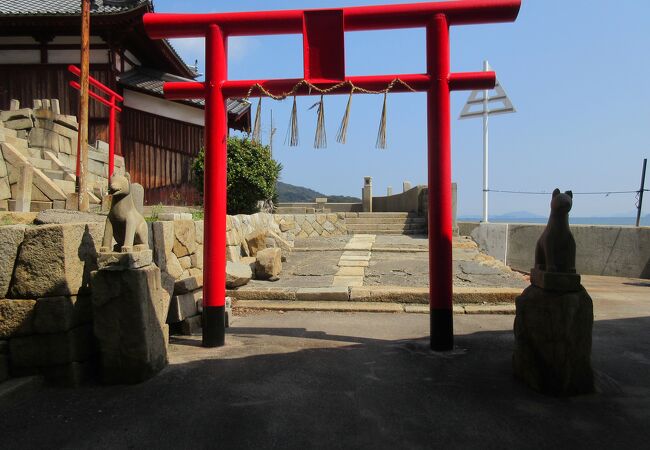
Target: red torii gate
{"points": [[324, 66]]}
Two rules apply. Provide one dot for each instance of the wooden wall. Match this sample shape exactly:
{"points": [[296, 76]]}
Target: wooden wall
{"points": [[159, 153], [28, 82]]}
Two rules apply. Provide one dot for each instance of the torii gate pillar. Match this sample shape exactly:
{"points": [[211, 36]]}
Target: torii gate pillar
{"points": [[215, 188], [439, 181]]}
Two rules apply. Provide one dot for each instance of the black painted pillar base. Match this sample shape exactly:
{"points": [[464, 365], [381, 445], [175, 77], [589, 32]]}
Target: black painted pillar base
{"points": [[214, 326], [442, 330]]}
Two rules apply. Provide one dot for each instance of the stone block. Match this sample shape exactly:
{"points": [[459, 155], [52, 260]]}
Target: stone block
{"points": [[197, 258], [188, 326], [43, 138], [237, 274], [233, 253], [256, 241], [23, 194], [59, 314], [3, 166], [185, 238], [66, 121], [334, 293], [24, 113], [167, 284], [174, 267], [163, 243], [198, 231], [128, 318], [268, 264], [188, 285], [553, 335], [185, 262], [56, 260], [184, 305], [43, 350], [10, 239], [56, 106], [287, 226], [124, 261], [16, 318], [20, 124], [555, 281]]}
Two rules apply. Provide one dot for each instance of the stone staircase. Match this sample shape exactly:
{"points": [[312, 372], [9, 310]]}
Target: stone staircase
{"points": [[45, 141], [386, 223]]}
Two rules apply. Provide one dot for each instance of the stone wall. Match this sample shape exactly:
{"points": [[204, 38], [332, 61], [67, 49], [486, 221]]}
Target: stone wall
{"points": [[312, 225], [45, 302], [46, 323]]}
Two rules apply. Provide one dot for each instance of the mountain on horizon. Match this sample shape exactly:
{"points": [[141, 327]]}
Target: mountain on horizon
{"points": [[289, 193]]}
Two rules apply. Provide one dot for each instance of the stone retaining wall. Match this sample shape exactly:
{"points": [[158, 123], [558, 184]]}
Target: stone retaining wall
{"points": [[46, 324], [312, 225]]}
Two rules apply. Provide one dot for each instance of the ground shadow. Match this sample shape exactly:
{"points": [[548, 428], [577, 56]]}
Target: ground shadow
{"points": [[298, 389]]}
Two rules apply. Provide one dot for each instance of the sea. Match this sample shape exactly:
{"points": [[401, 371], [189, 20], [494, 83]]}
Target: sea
{"points": [[631, 221]]}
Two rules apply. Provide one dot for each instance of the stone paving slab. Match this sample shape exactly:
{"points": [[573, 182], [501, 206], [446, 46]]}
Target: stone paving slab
{"points": [[350, 272], [347, 281], [333, 293], [347, 263]]}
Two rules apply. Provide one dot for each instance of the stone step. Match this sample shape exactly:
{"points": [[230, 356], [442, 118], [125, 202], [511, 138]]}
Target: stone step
{"points": [[66, 186], [374, 227], [15, 141], [42, 164], [29, 152], [386, 214], [404, 232], [55, 174], [385, 220]]}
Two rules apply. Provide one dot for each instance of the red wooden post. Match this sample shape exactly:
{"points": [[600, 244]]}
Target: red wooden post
{"points": [[111, 137], [440, 208], [214, 190]]}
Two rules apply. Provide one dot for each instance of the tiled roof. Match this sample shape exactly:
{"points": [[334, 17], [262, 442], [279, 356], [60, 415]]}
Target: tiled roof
{"points": [[64, 7], [143, 79]]}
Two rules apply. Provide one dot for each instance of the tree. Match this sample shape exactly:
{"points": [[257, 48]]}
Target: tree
{"points": [[252, 174]]}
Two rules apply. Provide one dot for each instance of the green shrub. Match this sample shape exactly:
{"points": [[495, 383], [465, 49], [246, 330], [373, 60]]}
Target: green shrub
{"points": [[252, 175]]}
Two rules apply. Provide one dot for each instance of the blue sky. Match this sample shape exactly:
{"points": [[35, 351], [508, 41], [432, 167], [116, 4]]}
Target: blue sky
{"points": [[575, 70]]}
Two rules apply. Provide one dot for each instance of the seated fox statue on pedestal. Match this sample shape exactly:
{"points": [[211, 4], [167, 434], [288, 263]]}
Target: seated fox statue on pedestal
{"points": [[124, 221], [556, 248]]}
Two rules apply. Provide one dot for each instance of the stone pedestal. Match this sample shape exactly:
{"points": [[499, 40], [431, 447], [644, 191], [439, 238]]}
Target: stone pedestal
{"points": [[553, 341], [129, 318]]}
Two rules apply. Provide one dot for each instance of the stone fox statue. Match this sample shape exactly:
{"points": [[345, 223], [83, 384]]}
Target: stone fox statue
{"points": [[124, 222], [556, 248]]}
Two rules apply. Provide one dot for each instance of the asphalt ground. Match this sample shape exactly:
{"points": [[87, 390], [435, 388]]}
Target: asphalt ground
{"points": [[360, 381]]}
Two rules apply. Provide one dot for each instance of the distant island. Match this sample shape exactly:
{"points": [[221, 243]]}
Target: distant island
{"points": [[288, 193]]}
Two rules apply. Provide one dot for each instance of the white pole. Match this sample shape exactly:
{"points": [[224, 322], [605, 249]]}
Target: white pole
{"points": [[486, 67]]}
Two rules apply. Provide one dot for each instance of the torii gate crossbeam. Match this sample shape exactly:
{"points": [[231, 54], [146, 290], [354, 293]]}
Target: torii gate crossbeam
{"points": [[324, 66]]}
